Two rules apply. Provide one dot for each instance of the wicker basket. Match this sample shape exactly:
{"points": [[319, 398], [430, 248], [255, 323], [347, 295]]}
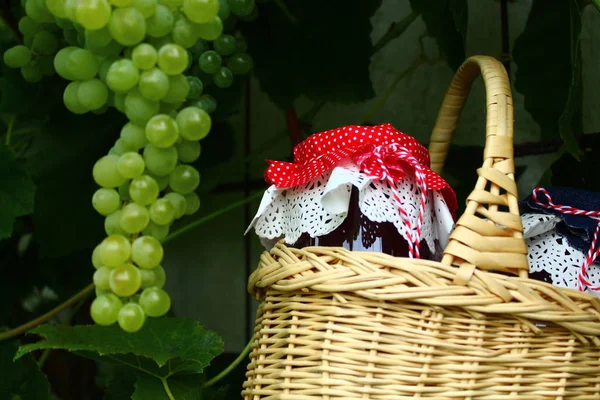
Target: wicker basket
{"points": [[334, 324]]}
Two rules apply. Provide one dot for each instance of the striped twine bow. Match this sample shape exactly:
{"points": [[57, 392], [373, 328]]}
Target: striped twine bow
{"points": [[374, 165], [593, 251]]}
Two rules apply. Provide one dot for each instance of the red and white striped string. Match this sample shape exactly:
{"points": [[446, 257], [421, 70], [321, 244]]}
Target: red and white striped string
{"points": [[374, 165], [593, 251]]}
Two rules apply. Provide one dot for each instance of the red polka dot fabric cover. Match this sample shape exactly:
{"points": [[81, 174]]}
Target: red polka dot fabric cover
{"points": [[311, 195], [323, 151]]}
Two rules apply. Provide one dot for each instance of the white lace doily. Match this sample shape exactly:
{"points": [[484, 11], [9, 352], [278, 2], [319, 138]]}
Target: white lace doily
{"points": [[550, 253], [320, 206]]}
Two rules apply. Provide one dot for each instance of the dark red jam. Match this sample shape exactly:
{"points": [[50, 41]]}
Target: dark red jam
{"points": [[358, 233]]}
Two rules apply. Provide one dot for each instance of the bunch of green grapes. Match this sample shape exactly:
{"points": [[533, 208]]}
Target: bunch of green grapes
{"points": [[142, 57]]}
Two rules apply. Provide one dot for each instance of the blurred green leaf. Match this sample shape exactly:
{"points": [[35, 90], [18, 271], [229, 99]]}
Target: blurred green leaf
{"points": [[324, 53], [446, 21], [21, 378]]}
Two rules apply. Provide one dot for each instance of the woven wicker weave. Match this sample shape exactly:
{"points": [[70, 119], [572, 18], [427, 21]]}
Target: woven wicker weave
{"points": [[334, 324]]}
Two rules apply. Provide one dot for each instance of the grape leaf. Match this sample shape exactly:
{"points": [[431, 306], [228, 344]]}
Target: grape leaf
{"points": [[321, 49], [22, 378], [16, 191], [120, 385], [446, 21], [166, 354], [542, 54]]}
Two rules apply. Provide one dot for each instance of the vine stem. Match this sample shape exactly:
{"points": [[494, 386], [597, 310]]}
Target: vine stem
{"points": [[90, 288], [43, 318], [231, 366], [167, 388]]}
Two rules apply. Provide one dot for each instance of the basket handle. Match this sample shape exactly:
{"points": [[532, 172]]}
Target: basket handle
{"points": [[489, 235]]}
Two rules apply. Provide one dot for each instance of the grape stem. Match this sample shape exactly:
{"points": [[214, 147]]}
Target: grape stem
{"points": [[231, 366], [40, 320]]}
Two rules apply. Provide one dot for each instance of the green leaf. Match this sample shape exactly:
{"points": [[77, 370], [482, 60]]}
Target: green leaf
{"points": [[446, 21], [321, 49], [542, 54], [22, 378], [166, 354], [570, 116], [16, 191]]}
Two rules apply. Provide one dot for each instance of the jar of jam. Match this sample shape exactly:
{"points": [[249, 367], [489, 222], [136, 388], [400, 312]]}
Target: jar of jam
{"points": [[362, 188]]}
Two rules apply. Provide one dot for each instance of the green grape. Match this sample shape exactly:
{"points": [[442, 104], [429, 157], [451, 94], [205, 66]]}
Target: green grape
{"points": [[185, 32], [125, 280], [239, 63], [98, 37], [124, 191], [184, 179], [201, 11], [146, 252], [252, 16], [131, 317], [223, 78], [127, 26], [92, 94], [160, 162], [31, 74], [131, 165], [115, 250], [101, 292], [121, 147], [159, 232], [17, 56], [106, 201], [112, 49], [162, 212], [71, 36], [148, 278], [210, 62], [240, 44], [96, 262], [194, 123], [162, 181], [225, 45], [192, 203], [224, 10], [172, 59], [71, 99], [38, 11], [46, 65], [179, 88], [101, 110], [28, 27], [119, 100], [199, 47], [92, 14], [143, 190], [134, 218], [207, 103], [161, 23], [172, 4], [80, 64], [105, 66], [162, 131], [159, 42], [241, 8], [146, 7], [138, 108], [105, 172], [196, 87], [122, 76], [154, 84], [211, 30], [161, 277], [179, 203], [188, 150], [101, 278], [105, 309], [170, 108], [155, 302], [134, 135], [112, 224], [121, 3], [144, 56]]}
